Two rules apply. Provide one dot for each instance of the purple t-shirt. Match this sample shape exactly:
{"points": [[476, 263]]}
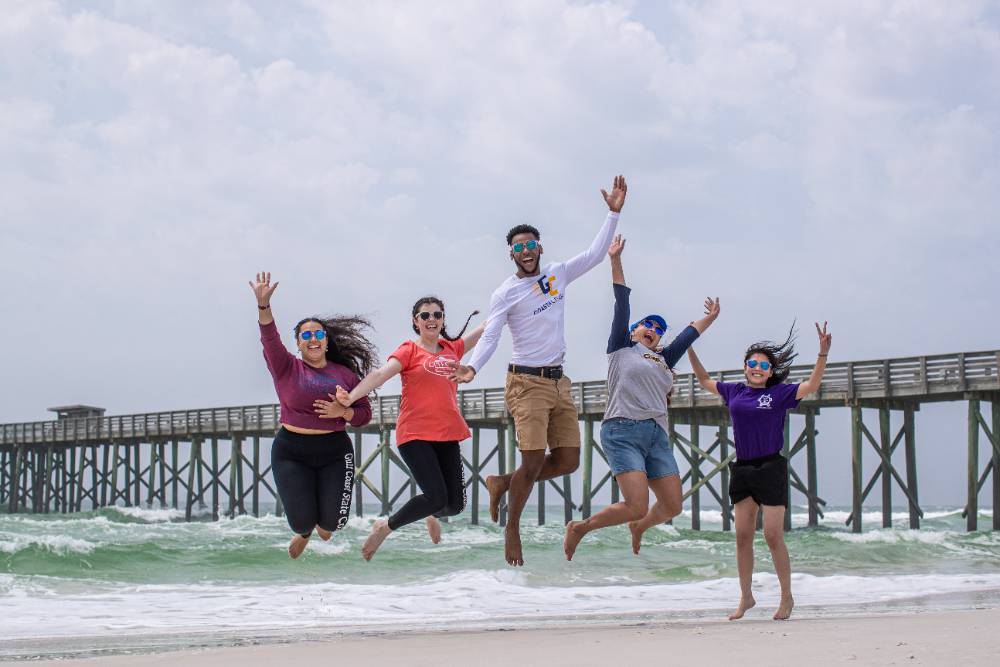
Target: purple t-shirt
{"points": [[758, 416], [299, 384]]}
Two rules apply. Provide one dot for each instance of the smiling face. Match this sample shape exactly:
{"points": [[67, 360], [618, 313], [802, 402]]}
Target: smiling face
{"points": [[313, 351], [646, 336], [430, 328], [757, 377], [527, 260]]}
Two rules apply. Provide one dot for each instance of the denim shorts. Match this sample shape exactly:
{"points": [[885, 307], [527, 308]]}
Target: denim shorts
{"points": [[632, 445]]}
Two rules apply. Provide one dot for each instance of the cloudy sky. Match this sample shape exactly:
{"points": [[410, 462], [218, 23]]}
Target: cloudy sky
{"points": [[814, 161]]}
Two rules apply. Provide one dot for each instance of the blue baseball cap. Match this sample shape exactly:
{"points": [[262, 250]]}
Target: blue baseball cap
{"points": [[652, 318]]}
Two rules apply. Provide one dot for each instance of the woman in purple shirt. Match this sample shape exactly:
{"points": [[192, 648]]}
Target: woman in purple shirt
{"points": [[312, 458], [759, 477]]}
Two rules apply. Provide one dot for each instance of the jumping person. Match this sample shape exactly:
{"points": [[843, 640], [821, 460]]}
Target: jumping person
{"points": [[634, 430], [759, 477], [312, 459], [537, 392], [429, 426]]}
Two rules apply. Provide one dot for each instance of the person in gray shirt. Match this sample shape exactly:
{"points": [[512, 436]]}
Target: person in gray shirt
{"points": [[634, 430]]}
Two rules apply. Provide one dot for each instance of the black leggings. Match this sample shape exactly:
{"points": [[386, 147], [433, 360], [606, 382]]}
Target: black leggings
{"points": [[314, 476], [437, 469]]}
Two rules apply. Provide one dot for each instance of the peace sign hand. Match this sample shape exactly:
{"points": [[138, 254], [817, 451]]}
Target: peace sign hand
{"points": [[616, 247], [262, 288], [616, 199], [825, 339]]}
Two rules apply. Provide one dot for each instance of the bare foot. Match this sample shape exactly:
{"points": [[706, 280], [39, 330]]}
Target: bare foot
{"points": [[575, 530], [380, 531], [633, 527], [745, 604], [297, 545], [434, 529], [497, 486], [323, 533], [512, 546], [785, 608]]}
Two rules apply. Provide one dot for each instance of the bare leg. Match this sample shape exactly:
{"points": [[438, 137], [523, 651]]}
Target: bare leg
{"points": [[323, 533], [496, 486], [380, 531], [561, 461], [297, 545], [434, 529], [666, 507], [521, 483], [745, 513], [774, 533], [636, 493]]}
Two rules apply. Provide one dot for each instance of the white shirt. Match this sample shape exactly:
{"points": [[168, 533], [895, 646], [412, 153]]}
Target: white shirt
{"points": [[534, 307]]}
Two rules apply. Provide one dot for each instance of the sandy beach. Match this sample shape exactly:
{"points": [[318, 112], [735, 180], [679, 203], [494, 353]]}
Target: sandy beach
{"points": [[932, 638]]}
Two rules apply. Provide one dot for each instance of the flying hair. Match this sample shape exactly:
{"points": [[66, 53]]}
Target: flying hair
{"points": [[348, 345], [780, 356], [440, 304]]}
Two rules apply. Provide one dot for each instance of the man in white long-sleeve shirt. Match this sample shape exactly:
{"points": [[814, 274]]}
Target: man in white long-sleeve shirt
{"points": [[531, 303]]}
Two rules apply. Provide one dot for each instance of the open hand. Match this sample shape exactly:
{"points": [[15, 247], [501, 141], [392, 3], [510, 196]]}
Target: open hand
{"points": [[712, 307], [825, 339], [331, 409], [262, 288], [616, 247], [460, 373], [616, 199], [343, 397]]}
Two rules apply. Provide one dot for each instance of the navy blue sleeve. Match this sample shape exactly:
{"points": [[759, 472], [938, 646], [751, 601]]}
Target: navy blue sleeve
{"points": [[619, 324], [672, 353]]}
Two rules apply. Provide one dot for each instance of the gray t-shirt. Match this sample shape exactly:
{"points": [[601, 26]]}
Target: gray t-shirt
{"points": [[639, 379]]}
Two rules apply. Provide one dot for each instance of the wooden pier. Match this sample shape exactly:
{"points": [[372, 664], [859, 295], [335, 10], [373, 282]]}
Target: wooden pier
{"points": [[191, 459]]}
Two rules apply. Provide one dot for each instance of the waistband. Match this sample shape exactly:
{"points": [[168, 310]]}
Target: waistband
{"points": [[550, 372], [759, 460], [313, 439]]}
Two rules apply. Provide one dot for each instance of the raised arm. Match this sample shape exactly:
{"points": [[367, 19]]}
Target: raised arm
{"points": [[470, 339], [706, 382], [495, 321], [263, 289], [672, 353], [279, 359], [811, 385], [592, 256], [619, 337]]}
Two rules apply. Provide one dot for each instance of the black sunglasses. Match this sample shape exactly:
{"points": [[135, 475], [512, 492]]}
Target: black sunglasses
{"points": [[437, 314]]}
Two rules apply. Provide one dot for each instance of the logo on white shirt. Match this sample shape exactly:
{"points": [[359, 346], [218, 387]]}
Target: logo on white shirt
{"points": [[764, 402], [547, 286]]}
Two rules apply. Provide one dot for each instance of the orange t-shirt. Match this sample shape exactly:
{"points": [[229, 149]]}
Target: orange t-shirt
{"points": [[429, 406]]}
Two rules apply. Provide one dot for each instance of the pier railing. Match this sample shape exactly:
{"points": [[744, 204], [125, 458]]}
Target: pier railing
{"points": [[945, 377]]}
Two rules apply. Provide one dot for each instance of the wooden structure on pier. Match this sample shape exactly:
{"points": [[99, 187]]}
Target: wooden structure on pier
{"points": [[191, 458]]}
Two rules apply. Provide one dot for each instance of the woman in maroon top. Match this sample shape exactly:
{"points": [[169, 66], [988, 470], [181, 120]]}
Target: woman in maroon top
{"points": [[312, 459]]}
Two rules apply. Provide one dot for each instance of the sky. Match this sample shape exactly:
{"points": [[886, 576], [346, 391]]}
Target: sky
{"points": [[821, 161]]}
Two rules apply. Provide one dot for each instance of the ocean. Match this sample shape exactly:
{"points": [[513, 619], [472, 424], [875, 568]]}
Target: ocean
{"points": [[121, 580]]}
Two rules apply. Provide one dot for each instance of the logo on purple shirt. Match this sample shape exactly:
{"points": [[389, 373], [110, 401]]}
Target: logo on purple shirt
{"points": [[764, 401]]}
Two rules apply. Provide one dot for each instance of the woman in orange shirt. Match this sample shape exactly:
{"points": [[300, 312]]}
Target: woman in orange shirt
{"points": [[429, 426]]}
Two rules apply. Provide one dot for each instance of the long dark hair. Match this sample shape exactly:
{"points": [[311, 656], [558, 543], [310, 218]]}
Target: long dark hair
{"points": [[780, 356], [347, 344], [423, 301]]}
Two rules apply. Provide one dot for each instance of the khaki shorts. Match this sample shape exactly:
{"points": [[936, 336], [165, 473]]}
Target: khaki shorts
{"points": [[543, 411]]}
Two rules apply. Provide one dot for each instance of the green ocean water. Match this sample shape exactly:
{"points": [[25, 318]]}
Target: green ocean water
{"points": [[130, 572]]}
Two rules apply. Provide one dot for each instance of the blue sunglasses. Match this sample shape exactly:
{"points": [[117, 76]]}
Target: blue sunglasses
{"points": [[519, 247], [753, 363], [308, 335]]}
